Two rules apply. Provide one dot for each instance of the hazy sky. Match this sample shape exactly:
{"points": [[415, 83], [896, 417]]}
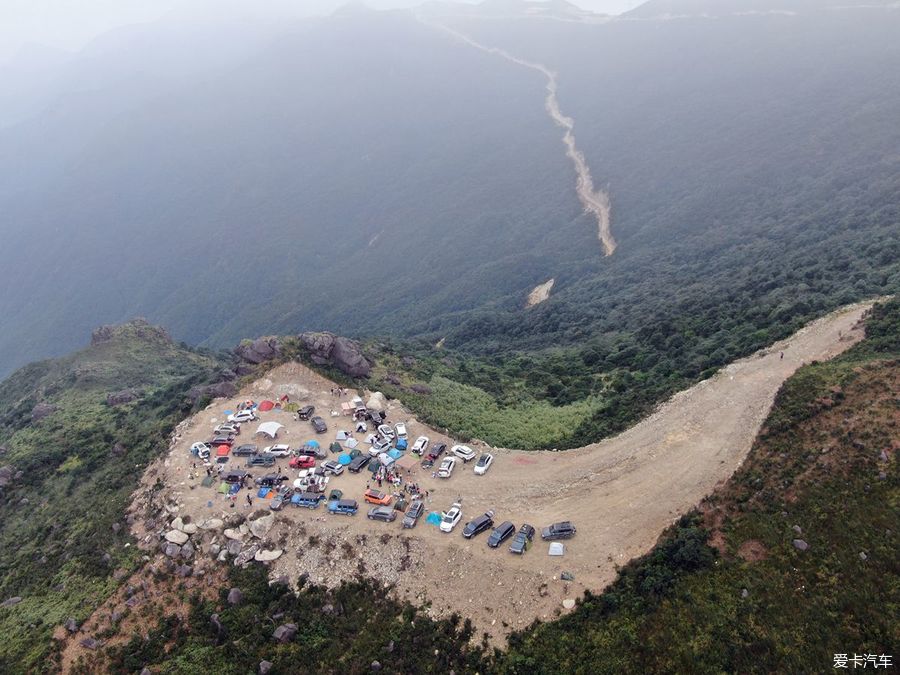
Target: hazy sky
{"points": [[69, 24]]}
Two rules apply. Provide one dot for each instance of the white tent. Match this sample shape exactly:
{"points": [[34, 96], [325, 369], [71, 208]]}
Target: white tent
{"points": [[342, 436], [270, 429], [351, 443], [385, 459], [557, 548], [361, 427]]}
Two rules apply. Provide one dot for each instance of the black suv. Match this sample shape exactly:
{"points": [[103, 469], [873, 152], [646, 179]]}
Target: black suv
{"points": [[270, 480], [319, 425], [245, 451], [305, 412], [264, 459], [563, 530], [501, 533], [522, 540], [359, 463], [235, 476], [415, 511], [480, 524]]}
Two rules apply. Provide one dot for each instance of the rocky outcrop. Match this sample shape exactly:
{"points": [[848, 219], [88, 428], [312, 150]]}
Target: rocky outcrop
{"points": [[7, 474], [137, 328], [333, 350], [121, 397], [259, 350], [42, 410], [285, 633]]}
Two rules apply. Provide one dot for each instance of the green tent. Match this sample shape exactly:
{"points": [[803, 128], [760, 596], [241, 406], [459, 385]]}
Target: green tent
{"points": [[223, 488], [335, 447]]}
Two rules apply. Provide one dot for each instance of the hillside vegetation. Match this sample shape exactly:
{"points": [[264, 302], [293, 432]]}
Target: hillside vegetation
{"points": [[69, 475]]}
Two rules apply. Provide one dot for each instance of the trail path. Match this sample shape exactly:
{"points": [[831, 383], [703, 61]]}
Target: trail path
{"points": [[620, 493], [595, 201]]}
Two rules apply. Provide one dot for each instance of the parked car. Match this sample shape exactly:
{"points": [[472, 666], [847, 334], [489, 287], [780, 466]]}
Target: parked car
{"points": [[501, 533], [201, 450], [376, 497], [400, 428], [480, 524], [347, 507], [451, 518], [420, 445], [308, 500], [447, 467], [261, 460], [305, 412], [563, 530], [303, 462], [228, 428], [413, 513], [245, 450], [522, 540], [436, 451], [242, 416], [484, 463], [386, 432], [216, 441], [319, 425], [271, 480], [383, 513], [464, 452], [379, 445], [334, 468], [278, 501], [235, 476], [279, 450], [359, 463], [306, 451]]}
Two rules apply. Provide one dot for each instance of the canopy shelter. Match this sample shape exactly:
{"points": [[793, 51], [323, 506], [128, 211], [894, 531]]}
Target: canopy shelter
{"points": [[266, 405], [269, 429], [557, 548], [408, 462]]}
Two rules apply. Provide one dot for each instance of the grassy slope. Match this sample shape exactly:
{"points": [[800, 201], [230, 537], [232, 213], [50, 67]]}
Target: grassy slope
{"points": [[56, 520], [681, 608]]}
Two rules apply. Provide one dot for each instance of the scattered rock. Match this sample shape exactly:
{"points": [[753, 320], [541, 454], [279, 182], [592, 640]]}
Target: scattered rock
{"points": [[281, 580], [106, 558], [185, 571], [568, 603], [119, 574], [211, 524], [567, 576], [233, 547], [71, 625], [121, 397], [797, 529], [117, 450], [90, 643], [178, 524], [863, 556], [419, 388], [7, 475], [172, 550], [221, 631], [246, 556], [176, 537], [232, 533], [376, 666], [800, 545], [235, 596], [187, 551], [260, 527], [265, 667], [146, 671], [285, 632], [42, 410], [264, 555], [189, 528], [744, 592], [116, 528], [389, 648]]}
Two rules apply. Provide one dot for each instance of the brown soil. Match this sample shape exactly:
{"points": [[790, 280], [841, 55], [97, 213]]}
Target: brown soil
{"points": [[621, 493], [752, 550]]}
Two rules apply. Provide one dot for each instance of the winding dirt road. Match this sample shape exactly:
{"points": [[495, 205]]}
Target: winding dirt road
{"points": [[593, 200], [621, 493]]}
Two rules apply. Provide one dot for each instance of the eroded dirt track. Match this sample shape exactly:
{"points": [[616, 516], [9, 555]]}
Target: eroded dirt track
{"points": [[621, 493]]}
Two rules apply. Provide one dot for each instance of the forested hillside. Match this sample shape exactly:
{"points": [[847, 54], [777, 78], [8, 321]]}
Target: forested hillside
{"points": [[374, 176]]}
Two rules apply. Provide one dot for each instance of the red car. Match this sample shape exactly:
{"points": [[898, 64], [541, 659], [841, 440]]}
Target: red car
{"points": [[302, 462]]}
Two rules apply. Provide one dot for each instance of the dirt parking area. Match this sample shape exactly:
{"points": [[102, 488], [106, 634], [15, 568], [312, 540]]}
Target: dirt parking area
{"points": [[620, 493]]}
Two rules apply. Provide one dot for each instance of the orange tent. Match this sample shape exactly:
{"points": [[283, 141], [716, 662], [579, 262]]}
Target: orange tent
{"points": [[265, 406]]}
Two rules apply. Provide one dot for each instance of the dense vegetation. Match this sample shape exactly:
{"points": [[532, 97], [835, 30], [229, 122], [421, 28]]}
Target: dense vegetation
{"points": [[62, 533], [339, 631]]}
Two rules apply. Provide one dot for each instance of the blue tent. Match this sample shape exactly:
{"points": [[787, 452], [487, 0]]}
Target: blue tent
{"points": [[395, 454], [434, 518], [402, 444], [234, 489], [344, 460], [263, 491], [313, 443]]}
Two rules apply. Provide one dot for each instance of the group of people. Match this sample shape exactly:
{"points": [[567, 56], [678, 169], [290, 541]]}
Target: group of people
{"points": [[338, 391]]}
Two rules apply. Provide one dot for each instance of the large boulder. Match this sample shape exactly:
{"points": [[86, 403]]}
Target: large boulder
{"points": [[176, 537], [7, 474], [218, 390], [285, 633], [42, 410], [259, 350], [344, 354], [260, 527]]}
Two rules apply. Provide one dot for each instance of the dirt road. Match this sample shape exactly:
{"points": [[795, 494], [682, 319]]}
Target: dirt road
{"points": [[621, 493]]}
